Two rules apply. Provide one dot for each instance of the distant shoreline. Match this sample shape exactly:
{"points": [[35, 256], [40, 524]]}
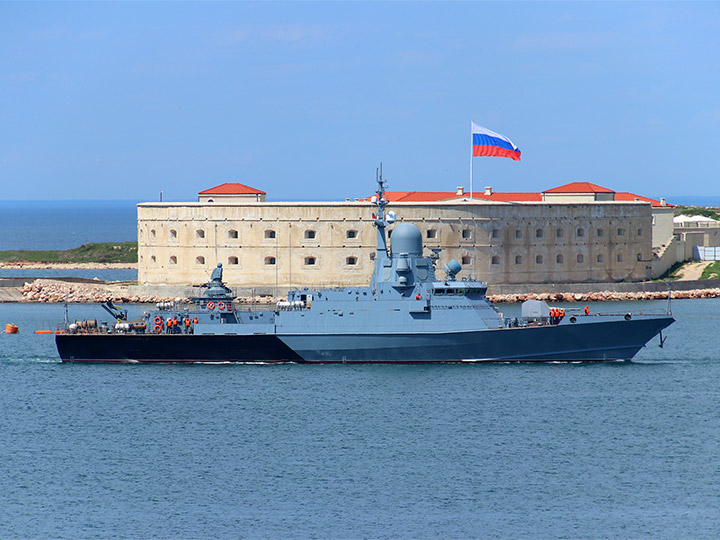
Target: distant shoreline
{"points": [[20, 265]]}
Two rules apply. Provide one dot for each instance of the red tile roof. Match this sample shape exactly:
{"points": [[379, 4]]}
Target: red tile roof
{"points": [[626, 196], [579, 187], [229, 188], [509, 196]]}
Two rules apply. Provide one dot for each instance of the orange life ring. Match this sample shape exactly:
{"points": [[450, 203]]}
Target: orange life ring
{"points": [[158, 319], [587, 310], [221, 305], [158, 328], [211, 305]]}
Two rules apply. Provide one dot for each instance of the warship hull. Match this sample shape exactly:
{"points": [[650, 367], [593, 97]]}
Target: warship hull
{"points": [[609, 340]]}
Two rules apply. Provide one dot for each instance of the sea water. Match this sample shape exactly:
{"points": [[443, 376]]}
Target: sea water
{"points": [[529, 451], [51, 225]]}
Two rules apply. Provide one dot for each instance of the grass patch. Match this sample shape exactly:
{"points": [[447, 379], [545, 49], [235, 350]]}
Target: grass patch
{"points": [[706, 211], [712, 271], [110, 252], [673, 273]]}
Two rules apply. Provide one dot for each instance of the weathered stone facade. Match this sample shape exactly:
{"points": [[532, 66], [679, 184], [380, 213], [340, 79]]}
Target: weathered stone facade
{"points": [[261, 244]]}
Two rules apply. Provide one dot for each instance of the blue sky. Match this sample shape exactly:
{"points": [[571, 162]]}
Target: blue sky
{"points": [[121, 100]]}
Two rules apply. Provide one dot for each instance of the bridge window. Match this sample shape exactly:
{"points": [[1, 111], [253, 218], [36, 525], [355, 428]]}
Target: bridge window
{"points": [[351, 261], [232, 260], [310, 261], [232, 233], [270, 234], [270, 260]]}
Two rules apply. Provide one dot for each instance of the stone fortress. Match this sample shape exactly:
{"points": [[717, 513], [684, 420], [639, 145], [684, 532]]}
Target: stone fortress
{"points": [[575, 233]]}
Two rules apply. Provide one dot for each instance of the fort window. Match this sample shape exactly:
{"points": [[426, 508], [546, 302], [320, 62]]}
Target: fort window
{"points": [[232, 260], [200, 260], [518, 259], [559, 259], [351, 234], [152, 233], [200, 233], [639, 257], [600, 258], [431, 233], [619, 257], [621, 232], [232, 233], [580, 258], [518, 233], [173, 259], [309, 261], [270, 234], [495, 233], [639, 232], [173, 234], [538, 259], [351, 261], [600, 233], [580, 232], [153, 259], [310, 234], [495, 259], [270, 260], [466, 259], [539, 233], [560, 233], [466, 233]]}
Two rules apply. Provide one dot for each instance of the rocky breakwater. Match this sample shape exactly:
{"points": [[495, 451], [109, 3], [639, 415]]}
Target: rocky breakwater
{"points": [[47, 290], [608, 296]]}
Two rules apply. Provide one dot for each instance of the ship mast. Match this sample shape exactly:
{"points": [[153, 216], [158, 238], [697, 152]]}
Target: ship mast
{"points": [[381, 202]]}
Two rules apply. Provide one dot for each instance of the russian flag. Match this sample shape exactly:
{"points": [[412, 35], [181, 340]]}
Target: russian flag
{"points": [[489, 143]]}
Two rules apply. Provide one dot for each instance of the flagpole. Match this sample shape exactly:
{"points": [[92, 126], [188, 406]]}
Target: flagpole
{"points": [[471, 161]]}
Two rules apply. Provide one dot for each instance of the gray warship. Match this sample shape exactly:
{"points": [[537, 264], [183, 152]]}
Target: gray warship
{"points": [[406, 315]]}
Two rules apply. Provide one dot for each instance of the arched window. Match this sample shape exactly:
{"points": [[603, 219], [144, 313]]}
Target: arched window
{"points": [[538, 233], [152, 233], [518, 259], [232, 234], [309, 234], [200, 233], [173, 234], [495, 259], [560, 233], [232, 260], [601, 258], [173, 259], [640, 232], [269, 260], [639, 257], [580, 232], [559, 259], [580, 258], [600, 233], [310, 261], [199, 259], [538, 259], [619, 257], [153, 259], [351, 261], [270, 234]]}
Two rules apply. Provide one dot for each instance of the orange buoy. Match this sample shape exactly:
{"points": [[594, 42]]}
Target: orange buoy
{"points": [[11, 329], [43, 331]]}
